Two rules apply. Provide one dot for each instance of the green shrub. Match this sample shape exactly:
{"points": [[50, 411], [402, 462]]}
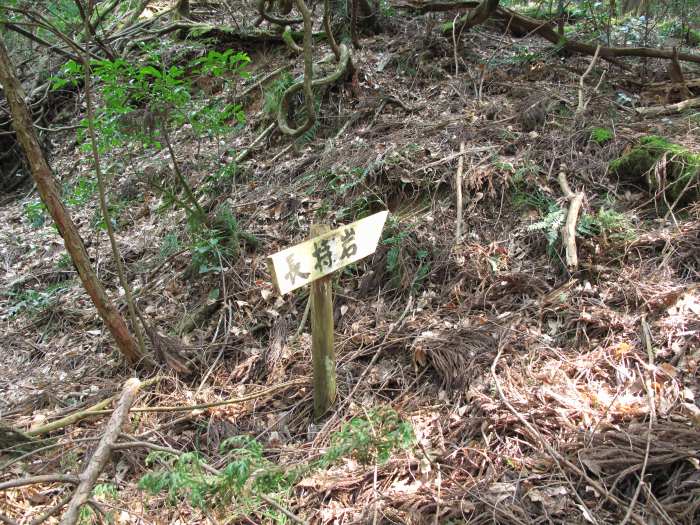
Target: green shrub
{"points": [[35, 213], [248, 474], [371, 439]]}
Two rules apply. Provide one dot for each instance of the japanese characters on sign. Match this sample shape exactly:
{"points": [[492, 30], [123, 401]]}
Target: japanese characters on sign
{"points": [[310, 260]]}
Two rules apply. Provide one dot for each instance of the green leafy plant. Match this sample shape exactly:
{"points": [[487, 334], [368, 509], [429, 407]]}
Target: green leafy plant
{"points": [[680, 165], [32, 301], [601, 135], [170, 245], [80, 192], [218, 242], [607, 222], [64, 262], [248, 474], [408, 265], [182, 475], [371, 439], [35, 213]]}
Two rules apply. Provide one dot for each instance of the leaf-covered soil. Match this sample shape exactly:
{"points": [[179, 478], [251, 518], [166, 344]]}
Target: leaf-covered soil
{"points": [[535, 393]]}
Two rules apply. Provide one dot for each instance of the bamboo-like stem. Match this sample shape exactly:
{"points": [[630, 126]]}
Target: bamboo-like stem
{"points": [[104, 209]]}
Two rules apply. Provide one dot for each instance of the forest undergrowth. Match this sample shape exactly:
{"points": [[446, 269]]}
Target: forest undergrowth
{"points": [[481, 378]]}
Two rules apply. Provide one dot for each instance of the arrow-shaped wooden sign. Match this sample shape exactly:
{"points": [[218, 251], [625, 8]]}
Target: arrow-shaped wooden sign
{"points": [[301, 264], [311, 262]]}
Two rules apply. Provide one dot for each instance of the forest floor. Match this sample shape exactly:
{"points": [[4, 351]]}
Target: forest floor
{"points": [[506, 388]]}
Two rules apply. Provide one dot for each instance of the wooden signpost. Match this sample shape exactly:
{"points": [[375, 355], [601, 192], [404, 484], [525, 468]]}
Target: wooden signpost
{"points": [[313, 262]]}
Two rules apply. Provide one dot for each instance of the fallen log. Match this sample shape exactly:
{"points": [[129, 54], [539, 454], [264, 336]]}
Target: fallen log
{"points": [[655, 111], [524, 25]]}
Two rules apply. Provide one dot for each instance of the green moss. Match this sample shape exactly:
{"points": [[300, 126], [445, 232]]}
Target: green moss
{"points": [[601, 135], [682, 167]]}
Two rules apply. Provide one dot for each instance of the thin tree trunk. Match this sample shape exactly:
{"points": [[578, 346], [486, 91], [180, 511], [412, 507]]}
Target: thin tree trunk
{"points": [[48, 190]]}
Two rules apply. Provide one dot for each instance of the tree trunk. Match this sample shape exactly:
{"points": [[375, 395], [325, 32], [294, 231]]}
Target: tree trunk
{"points": [[48, 191], [182, 8]]}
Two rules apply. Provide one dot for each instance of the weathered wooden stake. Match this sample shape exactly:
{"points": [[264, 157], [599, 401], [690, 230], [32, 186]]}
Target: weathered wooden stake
{"points": [[322, 351], [313, 262]]}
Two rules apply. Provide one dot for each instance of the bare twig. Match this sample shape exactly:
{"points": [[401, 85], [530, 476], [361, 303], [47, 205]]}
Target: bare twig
{"points": [[94, 410], [33, 480], [633, 501], [281, 509], [455, 156], [244, 154], [581, 85], [104, 208], [460, 169], [255, 395], [336, 415]]}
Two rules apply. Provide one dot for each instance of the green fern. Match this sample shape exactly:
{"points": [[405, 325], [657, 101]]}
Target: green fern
{"points": [[550, 225], [370, 440]]}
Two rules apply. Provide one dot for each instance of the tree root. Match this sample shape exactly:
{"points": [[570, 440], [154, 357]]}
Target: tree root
{"points": [[264, 15], [342, 68], [289, 40], [306, 83]]}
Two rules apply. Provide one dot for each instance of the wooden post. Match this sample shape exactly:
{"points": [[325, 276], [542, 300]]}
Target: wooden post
{"points": [[322, 351], [313, 262]]}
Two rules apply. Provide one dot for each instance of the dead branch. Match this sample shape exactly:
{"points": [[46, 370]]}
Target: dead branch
{"points": [[437, 6], [102, 453], [246, 151], [655, 111], [11, 438], [568, 232], [70, 419], [33, 480], [255, 395], [525, 25], [545, 30], [94, 410], [581, 86], [52, 511]]}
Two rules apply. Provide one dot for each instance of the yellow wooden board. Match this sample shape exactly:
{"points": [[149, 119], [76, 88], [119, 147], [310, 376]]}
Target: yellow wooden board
{"points": [[301, 264]]}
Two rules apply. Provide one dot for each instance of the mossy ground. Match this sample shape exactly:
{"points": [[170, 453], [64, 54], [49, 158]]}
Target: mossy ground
{"points": [[682, 167]]}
